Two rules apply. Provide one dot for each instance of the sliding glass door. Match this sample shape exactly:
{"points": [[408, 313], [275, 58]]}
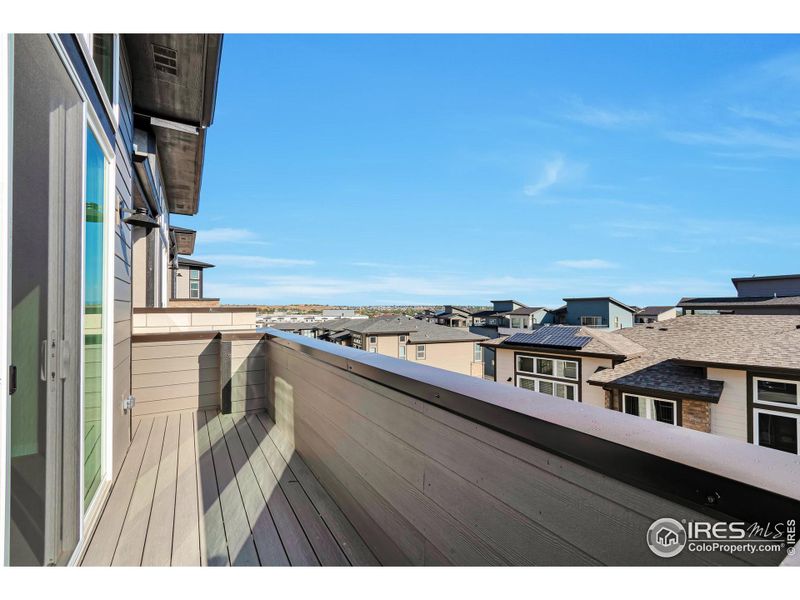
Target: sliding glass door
{"points": [[48, 130]]}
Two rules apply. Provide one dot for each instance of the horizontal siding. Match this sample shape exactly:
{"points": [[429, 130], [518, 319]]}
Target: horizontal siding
{"points": [[425, 486], [173, 376]]}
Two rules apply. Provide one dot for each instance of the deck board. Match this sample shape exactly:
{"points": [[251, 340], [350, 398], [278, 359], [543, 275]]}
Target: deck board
{"points": [[198, 488], [158, 543]]}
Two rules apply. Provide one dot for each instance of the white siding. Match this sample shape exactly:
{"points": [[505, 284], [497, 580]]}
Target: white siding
{"points": [[729, 416]]}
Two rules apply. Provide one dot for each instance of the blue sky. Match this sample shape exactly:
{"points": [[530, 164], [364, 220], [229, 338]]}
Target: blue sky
{"points": [[433, 169]]}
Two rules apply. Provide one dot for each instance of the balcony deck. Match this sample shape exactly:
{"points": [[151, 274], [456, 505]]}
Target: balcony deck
{"points": [[200, 488]]}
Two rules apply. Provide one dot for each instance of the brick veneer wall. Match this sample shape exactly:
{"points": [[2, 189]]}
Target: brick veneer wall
{"points": [[696, 415]]}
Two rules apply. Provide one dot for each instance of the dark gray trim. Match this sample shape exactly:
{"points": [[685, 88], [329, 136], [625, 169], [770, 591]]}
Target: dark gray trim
{"points": [[192, 309], [669, 468], [556, 350], [173, 336], [678, 405]]}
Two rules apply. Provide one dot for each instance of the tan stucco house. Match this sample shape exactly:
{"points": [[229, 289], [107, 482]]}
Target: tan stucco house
{"points": [[399, 336]]}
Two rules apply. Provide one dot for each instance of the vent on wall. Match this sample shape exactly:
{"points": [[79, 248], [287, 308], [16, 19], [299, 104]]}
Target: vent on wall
{"points": [[165, 59]]}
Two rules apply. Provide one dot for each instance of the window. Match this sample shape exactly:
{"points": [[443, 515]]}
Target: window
{"points": [[776, 430], [194, 274], [402, 339], [568, 391], [420, 351], [664, 411], [592, 321], [401, 351], [775, 392], [103, 57], [94, 309], [373, 339], [519, 322], [616, 323], [477, 353], [551, 367], [373, 349]]}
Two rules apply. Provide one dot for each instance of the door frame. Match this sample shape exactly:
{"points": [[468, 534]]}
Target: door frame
{"points": [[6, 115]]}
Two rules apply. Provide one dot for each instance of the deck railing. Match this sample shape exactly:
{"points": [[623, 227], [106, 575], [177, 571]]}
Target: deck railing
{"points": [[434, 467]]}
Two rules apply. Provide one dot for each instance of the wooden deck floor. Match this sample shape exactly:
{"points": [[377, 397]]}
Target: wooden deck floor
{"points": [[209, 489]]}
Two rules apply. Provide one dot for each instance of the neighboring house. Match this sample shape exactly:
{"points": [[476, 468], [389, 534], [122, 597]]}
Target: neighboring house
{"points": [[108, 141], [187, 280], [654, 314], [527, 317], [450, 348], [767, 295], [453, 316], [602, 312], [558, 360], [732, 375]]}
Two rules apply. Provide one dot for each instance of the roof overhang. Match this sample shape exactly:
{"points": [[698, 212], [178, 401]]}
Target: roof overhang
{"points": [[188, 262], [658, 392], [174, 81], [183, 239]]}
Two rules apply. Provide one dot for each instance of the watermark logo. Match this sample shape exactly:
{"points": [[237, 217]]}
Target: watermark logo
{"points": [[666, 537]]}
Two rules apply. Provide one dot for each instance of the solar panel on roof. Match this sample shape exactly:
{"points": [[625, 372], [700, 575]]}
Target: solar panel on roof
{"points": [[561, 337]]}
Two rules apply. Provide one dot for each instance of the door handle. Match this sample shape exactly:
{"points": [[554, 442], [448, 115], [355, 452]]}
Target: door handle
{"points": [[43, 360], [12, 379]]}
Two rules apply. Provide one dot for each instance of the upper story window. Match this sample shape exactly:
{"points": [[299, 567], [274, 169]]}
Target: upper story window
{"points": [[776, 430], [373, 339], [194, 283], [775, 392], [592, 321], [568, 391], [550, 367], [402, 339], [477, 353], [105, 60], [656, 409], [421, 352]]}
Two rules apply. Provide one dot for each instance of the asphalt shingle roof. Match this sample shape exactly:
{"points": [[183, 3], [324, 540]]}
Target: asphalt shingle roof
{"points": [[418, 331], [739, 302], [743, 341]]}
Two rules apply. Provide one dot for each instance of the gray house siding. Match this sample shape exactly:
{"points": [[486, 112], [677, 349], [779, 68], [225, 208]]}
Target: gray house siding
{"points": [[122, 269], [608, 311], [789, 286]]}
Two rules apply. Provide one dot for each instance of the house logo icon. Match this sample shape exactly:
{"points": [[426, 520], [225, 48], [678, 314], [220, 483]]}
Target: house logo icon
{"points": [[666, 538]]}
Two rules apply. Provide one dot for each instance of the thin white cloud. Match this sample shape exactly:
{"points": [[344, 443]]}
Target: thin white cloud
{"points": [[589, 263], [767, 143], [249, 260], [228, 234], [553, 172], [606, 118]]}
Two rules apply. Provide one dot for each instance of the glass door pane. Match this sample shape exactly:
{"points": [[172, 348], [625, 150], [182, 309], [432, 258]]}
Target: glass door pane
{"points": [[47, 143], [93, 317]]}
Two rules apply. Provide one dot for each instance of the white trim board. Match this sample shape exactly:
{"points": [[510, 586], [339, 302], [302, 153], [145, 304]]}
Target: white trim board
{"points": [[6, 114]]}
